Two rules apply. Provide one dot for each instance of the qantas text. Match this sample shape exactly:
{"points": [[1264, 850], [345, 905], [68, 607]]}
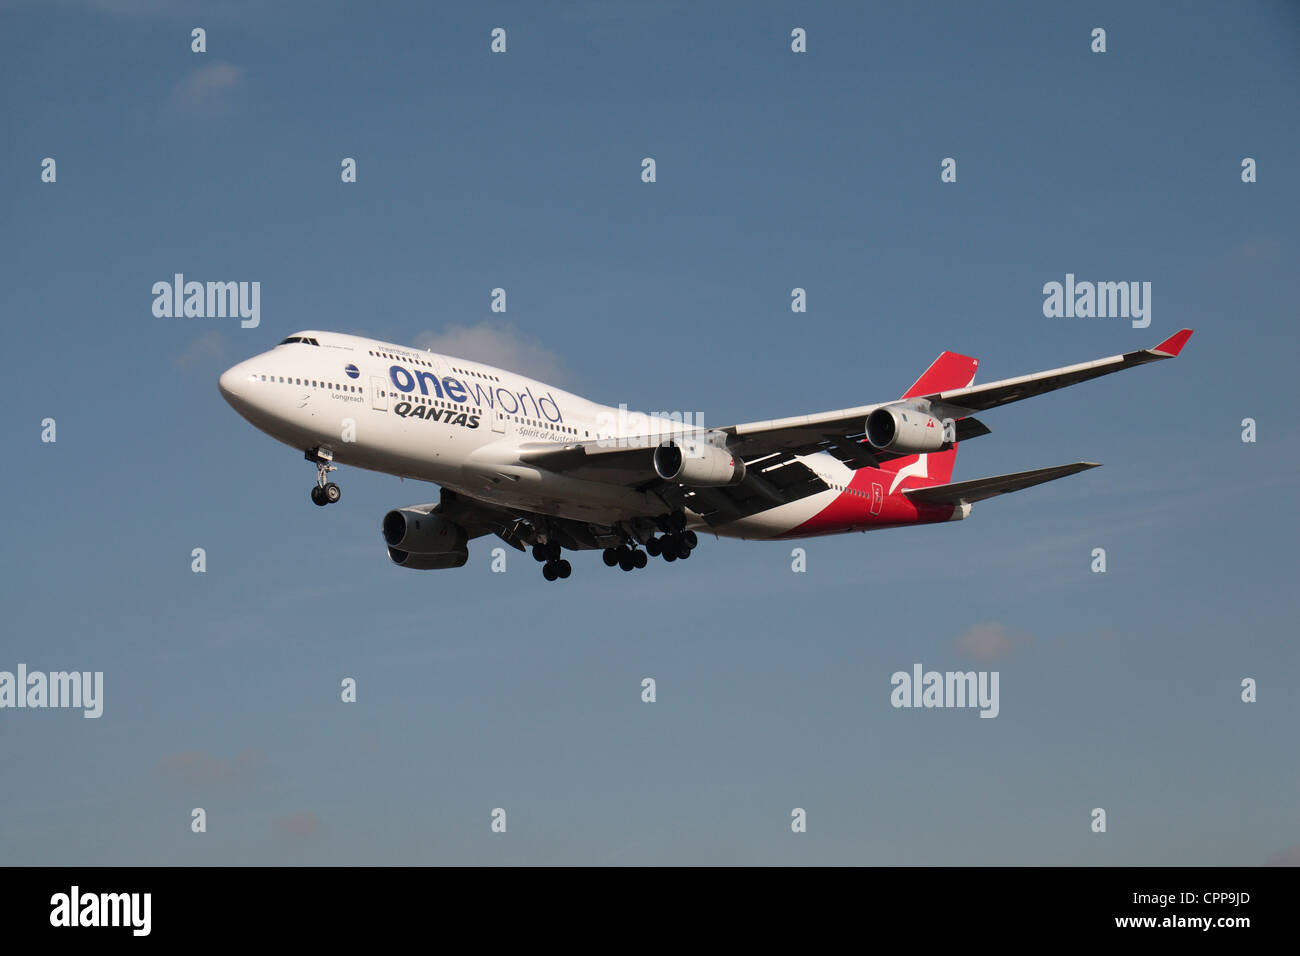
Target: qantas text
{"points": [[445, 415]]}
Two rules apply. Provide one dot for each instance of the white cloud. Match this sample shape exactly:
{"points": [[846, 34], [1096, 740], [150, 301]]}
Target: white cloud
{"points": [[1288, 857], [1259, 247], [132, 8], [497, 344], [200, 770], [207, 83], [989, 641], [297, 827], [208, 346]]}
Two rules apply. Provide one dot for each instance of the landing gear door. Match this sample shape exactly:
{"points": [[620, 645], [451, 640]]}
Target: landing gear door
{"points": [[378, 393]]}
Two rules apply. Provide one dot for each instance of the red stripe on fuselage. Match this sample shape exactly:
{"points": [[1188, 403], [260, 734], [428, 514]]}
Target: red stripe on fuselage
{"points": [[852, 510]]}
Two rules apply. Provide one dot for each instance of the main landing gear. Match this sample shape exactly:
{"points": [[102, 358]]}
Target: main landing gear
{"points": [[554, 566], [676, 543], [625, 557], [325, 492]]}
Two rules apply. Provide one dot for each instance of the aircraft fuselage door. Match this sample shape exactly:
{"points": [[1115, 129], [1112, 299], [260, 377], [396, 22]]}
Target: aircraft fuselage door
{"points": [[378, 393], [877, 498]]}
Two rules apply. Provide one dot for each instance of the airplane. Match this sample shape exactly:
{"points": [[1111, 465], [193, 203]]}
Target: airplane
{"points": [[545, 469]]}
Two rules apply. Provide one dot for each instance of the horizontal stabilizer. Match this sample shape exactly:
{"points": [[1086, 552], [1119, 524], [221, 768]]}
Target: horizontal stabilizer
{"points": [[981, 488]]}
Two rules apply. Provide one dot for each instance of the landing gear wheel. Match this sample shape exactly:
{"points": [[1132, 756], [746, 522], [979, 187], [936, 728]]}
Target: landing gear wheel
{"points": [[683, 552], [610, 557], [669, 555], [678, 521], [550, 571], [691, 539], [625, 559], [652, 547], [325, 492], [639, 559], [563, 568]]}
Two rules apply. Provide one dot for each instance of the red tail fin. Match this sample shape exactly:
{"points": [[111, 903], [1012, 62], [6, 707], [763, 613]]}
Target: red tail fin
{"points": [[947, 372]]}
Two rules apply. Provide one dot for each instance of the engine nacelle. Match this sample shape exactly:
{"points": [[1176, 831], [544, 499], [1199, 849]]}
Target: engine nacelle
{"points": [[901, 428], [428, 562], [696, 463], [422, 533]]}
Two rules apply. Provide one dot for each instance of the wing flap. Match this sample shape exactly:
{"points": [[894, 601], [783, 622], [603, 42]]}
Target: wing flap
{"points": [[775, 482]]}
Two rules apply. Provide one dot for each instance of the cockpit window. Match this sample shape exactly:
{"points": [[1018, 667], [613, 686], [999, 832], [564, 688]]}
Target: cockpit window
{"points": [[299, 338]]}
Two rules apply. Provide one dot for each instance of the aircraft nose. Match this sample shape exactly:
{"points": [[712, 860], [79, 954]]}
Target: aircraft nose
{"points": [[233, 382]]}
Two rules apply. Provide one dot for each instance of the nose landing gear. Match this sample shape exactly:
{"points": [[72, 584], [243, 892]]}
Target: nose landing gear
{"points": [[325, 492]]}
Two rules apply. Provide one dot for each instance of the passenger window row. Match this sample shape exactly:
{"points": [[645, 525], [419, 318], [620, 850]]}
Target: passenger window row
{"points": [[311, 383], [418, 399]]}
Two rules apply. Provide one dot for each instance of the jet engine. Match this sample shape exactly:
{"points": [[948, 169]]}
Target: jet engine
{"points": [[905, 430], [428, 562], [695, 463], [424, 541]]}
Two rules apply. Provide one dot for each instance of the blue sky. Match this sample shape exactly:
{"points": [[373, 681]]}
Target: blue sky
{"points": [[775, 170]]}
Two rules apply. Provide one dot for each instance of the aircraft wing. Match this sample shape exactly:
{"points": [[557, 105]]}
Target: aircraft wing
{"points": [[770, 480], [773, 480], [841, 431], [978, 398], [626, 460], [769, 448]]}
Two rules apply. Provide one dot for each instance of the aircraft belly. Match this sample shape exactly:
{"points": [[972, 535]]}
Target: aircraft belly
{"points": [[544, 492]]}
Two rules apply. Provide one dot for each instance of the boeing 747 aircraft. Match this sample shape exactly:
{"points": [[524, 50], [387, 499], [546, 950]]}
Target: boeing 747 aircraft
{"points": [[542, 468]]}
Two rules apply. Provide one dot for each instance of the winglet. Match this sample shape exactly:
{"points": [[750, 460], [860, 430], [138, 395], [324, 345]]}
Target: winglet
{"points": [[1174, 344]]}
